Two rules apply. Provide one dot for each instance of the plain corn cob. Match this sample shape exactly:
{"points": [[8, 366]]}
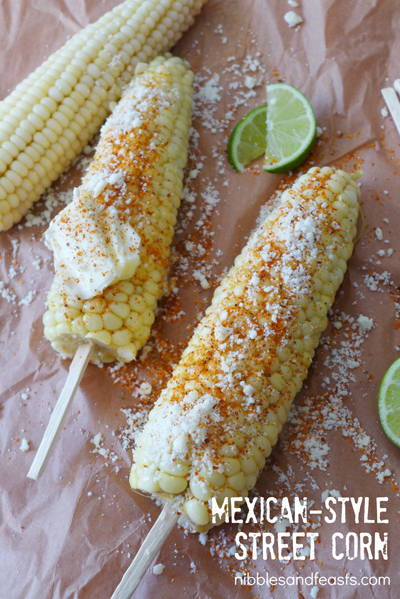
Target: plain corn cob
{"points": [[214, 425], [51, 116], [151, 156]]}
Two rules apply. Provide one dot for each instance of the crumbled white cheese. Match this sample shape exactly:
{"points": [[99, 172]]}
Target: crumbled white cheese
{"points": [[379, 234], [7, 293], [203, 538], [193, 568], [384, 112], [28, 299], [24, 445], [293, 3], [365, 323], [314, 592], [199, 276], [250, 82], [98, 443], [145, 388], [382, 475], [281, 525], [292, 18], [158, 569]]}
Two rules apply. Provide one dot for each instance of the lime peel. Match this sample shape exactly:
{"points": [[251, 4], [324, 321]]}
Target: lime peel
{"points": [[389, 403], [248, 139], [291, 128]]}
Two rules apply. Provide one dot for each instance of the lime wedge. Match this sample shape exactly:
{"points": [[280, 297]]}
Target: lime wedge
{"points": [[291, 128], [389, 403], [248, 139]]}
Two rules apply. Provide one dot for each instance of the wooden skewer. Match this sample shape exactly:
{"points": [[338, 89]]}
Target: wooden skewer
{"points": [[396, 85], [147, 552], [75, 374], [392, 103]]}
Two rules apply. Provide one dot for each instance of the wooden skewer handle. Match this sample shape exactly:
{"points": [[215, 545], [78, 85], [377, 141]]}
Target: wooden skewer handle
{"points": [[147, 552], [75, 374], [392, 102]]}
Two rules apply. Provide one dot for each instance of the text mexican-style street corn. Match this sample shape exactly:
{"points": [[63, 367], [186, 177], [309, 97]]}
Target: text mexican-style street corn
{"points": [[111, 244], [214, 425], [50, 117]]}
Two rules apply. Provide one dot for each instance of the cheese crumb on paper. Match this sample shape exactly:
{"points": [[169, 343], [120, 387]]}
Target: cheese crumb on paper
{"points": [[158, 569], [365, 323], [292, 18], [24, 445]]}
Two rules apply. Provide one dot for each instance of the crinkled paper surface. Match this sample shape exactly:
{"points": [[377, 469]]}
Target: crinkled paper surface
{"points": [[72, 534]]}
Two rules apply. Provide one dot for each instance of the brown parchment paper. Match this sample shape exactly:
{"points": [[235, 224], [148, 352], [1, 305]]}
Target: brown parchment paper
{"points": [[59, 542]]}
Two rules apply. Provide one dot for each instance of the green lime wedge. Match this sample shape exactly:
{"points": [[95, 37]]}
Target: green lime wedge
{"points": [[291, 128], [248, 139], [389, 403]]}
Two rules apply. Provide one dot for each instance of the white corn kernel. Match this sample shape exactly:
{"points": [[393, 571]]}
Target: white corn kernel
{"points": [[172, 484]]}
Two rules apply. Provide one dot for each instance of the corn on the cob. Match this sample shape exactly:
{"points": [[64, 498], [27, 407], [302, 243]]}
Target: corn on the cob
{"points": [[49, 117], [144, 144], [220, 415]]}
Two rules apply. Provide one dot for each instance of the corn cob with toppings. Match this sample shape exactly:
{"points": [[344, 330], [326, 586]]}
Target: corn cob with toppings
{"points": [[136, 177], [215, 424], [51, 116]]}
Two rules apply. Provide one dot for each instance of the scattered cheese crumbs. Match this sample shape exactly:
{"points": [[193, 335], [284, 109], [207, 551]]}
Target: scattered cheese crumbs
{"points": [[7, 293], [379, 234], [384, 112], [193, 568], [293, 3], [145, 388], [158, 569], [24, 445], [381, 253], [292, 18], [382, 475], [199, 276], [389, 252], [90, 494], [319, 131], [28, 299], [314, 592], [98, 442], [281, 525], [365, 323], [250, 82], [203, 538]]}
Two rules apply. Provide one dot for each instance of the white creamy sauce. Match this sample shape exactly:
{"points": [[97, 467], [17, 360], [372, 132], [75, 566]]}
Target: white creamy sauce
{"points": [[92, 248]]}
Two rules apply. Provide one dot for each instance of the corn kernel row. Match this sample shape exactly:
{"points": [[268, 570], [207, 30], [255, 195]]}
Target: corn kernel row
{"points": [[153, 158], [215, 424], [51, 116]]}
